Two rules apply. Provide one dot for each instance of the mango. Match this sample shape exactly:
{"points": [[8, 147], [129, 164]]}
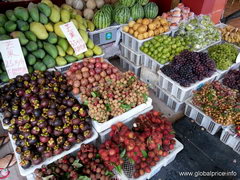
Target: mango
{"points": [[52, 38], [3, 19], [80, 56], [58, 30], [5, 37], [65, 15], [49, 61], [97, 50], [22, 25], [67, 7], [24, 50], [40, 66], [40, 44], [2, 31], [50, 49], [63, 43], [55, 15], [43, 19], [40, 53], [45, 9], [47, 2], [81, 26], [79, 19], [31, 59], [32, 46], [70, 51], [90, 26], [84, 22], [21, 13], [56, 7], [33, 11], [70, 59], [39, 30], [88, 53], [10, 26], [61, 61], [30, 69], [49, 27], [61, 52], [75, 23], [10, 15], [84, 35], [22, 38], [30, 36], [90, 44]]}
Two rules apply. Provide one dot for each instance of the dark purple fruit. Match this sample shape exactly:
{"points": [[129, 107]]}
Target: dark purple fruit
{"points": [[70, 102], [80, 138], [57, 122], [71, 138], [32, 139], [67, 129], [35, 130], [57, 150], [29, 109], [66, 145], [12, 129], [44, 138], [87, 134], [52, 113], [76, 129], [27, 155], [37, 159], [6, 120], [18, 150], [44, 103], [57, 131], [60, 140], [41, 147], [25, 164], [68, 111], [51, 143], [37, 112], [42, 124], [76, 121], [47, 153], [7, 114]]}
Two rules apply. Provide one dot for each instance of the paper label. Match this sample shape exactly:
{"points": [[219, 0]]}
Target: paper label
{"points": [[238, 58], [13, 58], [74, 38]]}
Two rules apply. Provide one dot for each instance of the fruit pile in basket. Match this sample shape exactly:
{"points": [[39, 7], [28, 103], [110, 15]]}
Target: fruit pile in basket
{"points": [[224, 55], [86, 165], [232, 79], [218, 102], [189, 67], [85, 75], [231, 34], [146, 28], [163, 48], [43, 118], [115, 97], [150, 139]]}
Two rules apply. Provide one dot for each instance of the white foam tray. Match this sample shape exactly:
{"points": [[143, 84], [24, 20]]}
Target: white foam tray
{"points": [[230, 138], [135, 58], [201, 118], [128, 66], [30, 170], [100, 127], [179, 92], [164, 161], [169, 100]]}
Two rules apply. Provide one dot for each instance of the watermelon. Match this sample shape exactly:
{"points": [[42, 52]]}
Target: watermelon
{"points": [[137, 12], [107, 8], [151, 10], [102, 19], [142, 2], [121, 15], [127, 3]]}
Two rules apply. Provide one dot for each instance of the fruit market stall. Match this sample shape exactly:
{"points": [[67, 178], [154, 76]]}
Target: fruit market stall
{"points": [[71, 112]]}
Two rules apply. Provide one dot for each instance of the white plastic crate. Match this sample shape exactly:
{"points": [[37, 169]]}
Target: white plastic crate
{"points": [[103, 136], [201, 118], [230, 138], [128, 168], [30, 170], [128, 66], [135, 58], [149, 78], [223, 73], [100, 127], [179, 92], [104, 36], [169, 100], [67, 66], [133, 43]]}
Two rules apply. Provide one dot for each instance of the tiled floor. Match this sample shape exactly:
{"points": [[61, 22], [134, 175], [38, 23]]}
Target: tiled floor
{"points": [[230, 8]]}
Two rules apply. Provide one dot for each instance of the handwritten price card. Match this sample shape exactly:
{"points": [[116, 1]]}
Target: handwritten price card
{"points": [[13, 58], [74, 38]]}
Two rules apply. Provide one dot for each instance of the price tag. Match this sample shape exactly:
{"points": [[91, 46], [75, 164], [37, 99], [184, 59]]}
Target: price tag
{"points": [[13, 58], [74, 38], [238, 58]]}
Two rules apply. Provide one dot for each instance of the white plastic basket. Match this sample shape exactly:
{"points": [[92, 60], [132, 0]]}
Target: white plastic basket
{"points": [[149, 77], [100, 127], [179, 92], [25, 172], [230, 138], [169, 100], [223, 73], [128, 66], [135, 58], [128, 168], [133, 43], [104, 36], [67, 66], [103, 136], [151, 63], [201, 118]]}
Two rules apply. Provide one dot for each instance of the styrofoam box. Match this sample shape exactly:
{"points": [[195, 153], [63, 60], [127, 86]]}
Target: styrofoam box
{"points": [[103, 136], [104, 36], [128, 168], [25, 172], [100, 127], [179, 92], [133, 43], [67, 66], [230, 138], [127, 65], [169, 100], [201, 118], [135, 58]]}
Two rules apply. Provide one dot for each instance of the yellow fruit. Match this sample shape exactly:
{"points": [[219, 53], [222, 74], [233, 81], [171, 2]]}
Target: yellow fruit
{"points": [[131, 31], [141, 29], [125, 28], [49, 27], [47, 2], [65, 15], [79, 19], [39, 30], [135, 26], [55, 15], [75, 23], [157, 23], [135, 34], [140, 36], [84, 35], [156, 32], [97, 50], [151, 33], [145, 21], [58, 30], [139, 21], [151, 26], [90, 26], [67, 7], [61, 52], [145, 35], [81, 26], [69, 50], [131, 23], [166, 28]]}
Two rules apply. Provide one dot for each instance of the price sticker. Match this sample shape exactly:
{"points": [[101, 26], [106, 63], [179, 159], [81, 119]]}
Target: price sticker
{"points": [[13, 58], [74, 38]]}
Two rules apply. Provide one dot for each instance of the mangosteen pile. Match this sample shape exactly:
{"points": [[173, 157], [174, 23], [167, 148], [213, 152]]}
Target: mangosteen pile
{"points": [[43, 117]]}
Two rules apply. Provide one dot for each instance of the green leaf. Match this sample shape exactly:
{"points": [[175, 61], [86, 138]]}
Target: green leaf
{"points": [[118, 169], [108, 107], [145, 96], [77, 164], [131, 161], [144, 153], [109, 173], [83, 178], [93, 94], [123, 153], [126, 107], [85, 102], [97, 156], [172, 132], [159, 146]]}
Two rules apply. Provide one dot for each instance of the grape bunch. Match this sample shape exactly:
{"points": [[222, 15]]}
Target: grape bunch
{"points": [[189, 67], [232, 79], [219, 102], [114, 97]]}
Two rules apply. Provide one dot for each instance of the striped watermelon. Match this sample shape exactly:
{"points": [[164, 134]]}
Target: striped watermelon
{"points": [[121, 15], [102, 19], [137, 12], [151, 10], [128, 3], [107, 8], [143, 2]]}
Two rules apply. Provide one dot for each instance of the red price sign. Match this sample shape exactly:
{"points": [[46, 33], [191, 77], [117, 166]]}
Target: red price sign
{"points": [[74, 38], [13, 58]]}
